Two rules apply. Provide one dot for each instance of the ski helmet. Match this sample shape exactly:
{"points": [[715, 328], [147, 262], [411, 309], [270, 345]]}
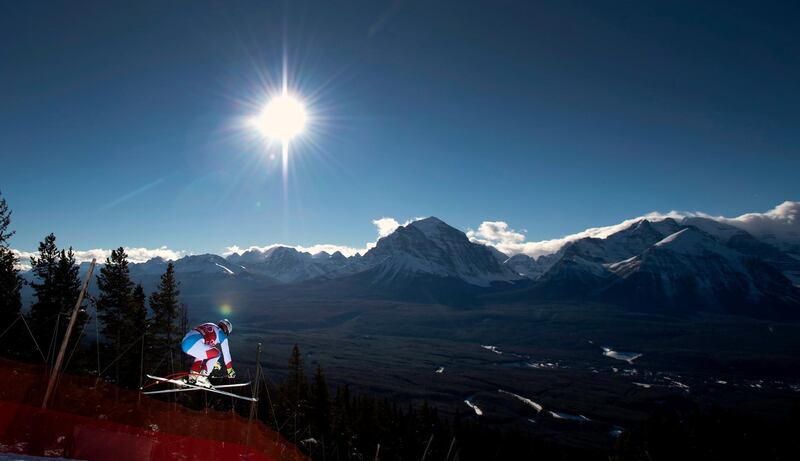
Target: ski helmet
{"points": [[225, 324]]}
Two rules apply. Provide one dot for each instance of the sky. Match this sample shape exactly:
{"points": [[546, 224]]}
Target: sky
{"points": [[125, 123]]}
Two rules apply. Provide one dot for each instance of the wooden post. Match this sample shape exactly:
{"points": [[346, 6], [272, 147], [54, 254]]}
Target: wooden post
{"points": [[425, 454], [449, 450], [141, 368], [54, 375], [257, 382]]}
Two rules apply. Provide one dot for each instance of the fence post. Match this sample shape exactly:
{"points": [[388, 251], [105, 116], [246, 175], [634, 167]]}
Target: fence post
{"points": [[54, 375]]}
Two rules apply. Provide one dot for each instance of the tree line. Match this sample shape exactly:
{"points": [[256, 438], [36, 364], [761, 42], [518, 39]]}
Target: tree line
{"points": [[337, 424], [136, 332]]}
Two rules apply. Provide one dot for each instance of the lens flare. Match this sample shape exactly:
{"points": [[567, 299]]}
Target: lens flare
{"points": [[226, 310]]}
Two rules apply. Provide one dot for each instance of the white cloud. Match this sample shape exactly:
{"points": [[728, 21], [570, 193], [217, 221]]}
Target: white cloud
{"points": [[781, 223], [135, 255], [385, 226], [496, 231], [140, 255], [511, 242], [313, 249], [23, 259]]}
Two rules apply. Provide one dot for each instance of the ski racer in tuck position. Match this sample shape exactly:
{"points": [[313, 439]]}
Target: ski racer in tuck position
{"points": [[203, 343]]}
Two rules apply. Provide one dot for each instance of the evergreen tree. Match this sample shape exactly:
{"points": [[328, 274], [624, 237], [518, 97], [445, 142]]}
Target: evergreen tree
{"points": [[67, 288], [67, 281], [5, 222], [45, 311], [114, 306], [320, 405], [184, 327], [165, 332], [10, 280], [295, 393], [137, 322], [10, 286]]}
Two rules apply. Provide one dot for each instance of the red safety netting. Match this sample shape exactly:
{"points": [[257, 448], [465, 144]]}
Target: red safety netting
{"points": [[92, 420]]}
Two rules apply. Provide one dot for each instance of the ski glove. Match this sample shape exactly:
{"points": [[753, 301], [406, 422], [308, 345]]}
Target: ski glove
{"points": [[231, 373]]}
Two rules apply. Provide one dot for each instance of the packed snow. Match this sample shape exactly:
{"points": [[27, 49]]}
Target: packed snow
{"points": [[675, 383], [474, 407], [522, 399], [567, 416], [623, 356], [227, 271]]}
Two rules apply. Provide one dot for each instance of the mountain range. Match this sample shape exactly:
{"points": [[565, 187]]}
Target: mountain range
{"points": [[664, 265]]}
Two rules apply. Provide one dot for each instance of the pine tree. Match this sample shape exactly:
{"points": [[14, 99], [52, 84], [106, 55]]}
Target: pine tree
{"points": [[295, 392], [10, 287], [113, 307], [165, 332], [136, 321], [10, 280], [320, 404], [67, 287], [184, 327], [5, 222], [296, 381], [67, 281], [45, 311]]}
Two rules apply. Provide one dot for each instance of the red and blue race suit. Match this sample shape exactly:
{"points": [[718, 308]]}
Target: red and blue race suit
{"points": [[201, 343]]}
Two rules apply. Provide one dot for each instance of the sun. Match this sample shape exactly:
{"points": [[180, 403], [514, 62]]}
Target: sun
{"points": [[283, 118]]}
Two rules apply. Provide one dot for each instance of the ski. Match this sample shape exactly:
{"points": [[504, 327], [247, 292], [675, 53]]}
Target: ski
{"points": [[188, 389], [210, 389], [219, 386]]}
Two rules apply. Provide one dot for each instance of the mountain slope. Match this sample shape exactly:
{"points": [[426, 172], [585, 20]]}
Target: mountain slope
{"points": [[430, 247], [690, 269], [287, 264]]}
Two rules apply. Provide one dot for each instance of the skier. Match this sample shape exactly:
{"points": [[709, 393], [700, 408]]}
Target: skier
{"points": [[201, 343]]}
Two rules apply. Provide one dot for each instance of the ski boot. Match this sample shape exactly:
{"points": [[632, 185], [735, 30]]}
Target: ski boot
{"points": [[198, 379]]}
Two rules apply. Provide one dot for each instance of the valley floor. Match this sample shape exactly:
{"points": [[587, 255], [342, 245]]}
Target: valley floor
{"points": [[581, 374]]}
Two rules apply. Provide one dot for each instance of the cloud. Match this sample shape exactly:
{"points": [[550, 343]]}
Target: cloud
{"points": [[781, 223], [23, 259], [499, 235], [496, 231], [313, 249], [135, 255], [384, 226]]}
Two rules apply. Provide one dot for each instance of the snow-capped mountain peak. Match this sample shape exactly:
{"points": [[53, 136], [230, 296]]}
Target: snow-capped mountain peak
{"points": [[431, 247]]}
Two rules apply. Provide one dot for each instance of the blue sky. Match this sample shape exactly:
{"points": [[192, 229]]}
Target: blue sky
{"points": [[120, 123]]}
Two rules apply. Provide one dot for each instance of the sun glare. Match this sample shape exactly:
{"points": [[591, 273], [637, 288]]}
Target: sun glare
{"points": [[283, 118]]}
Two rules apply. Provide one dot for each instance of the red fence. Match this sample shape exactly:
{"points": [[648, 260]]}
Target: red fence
{"points": [[98, 421]]}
